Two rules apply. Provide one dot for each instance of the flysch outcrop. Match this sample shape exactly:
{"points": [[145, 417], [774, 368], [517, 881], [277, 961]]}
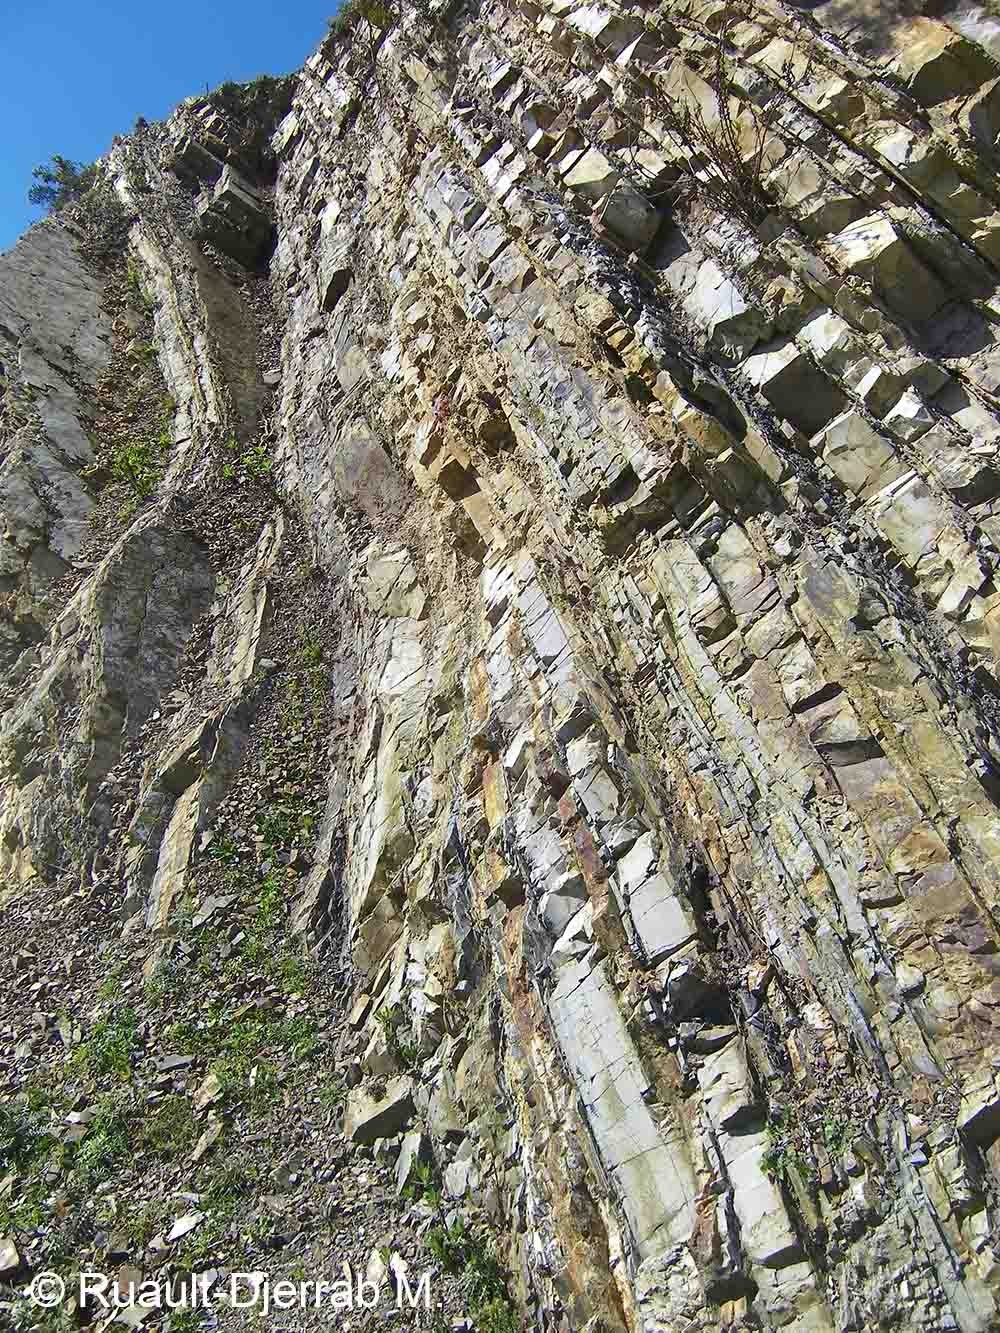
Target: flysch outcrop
{"points": [[626, 380]]}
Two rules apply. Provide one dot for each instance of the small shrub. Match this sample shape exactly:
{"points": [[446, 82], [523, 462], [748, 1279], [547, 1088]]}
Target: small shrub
{"points": [[782, 1156], [278, 825], [731, 161], [243, 1074], [836, 1136], [184, 1320], [108, 988], [144, 301], [271, 904], [104, 221], [496, 1315], [133, 280], [137, 464], [166, 981], [140, 1225]]}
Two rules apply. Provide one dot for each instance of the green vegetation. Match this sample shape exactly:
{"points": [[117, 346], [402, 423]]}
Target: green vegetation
{"points": [[167, 980], [226, 1187], [30, 1145], [256, 461], [24, 1138], [60, 182], [781, 1158], [837, 1135], [305, 697], [110, 1047], [378, 13], [280, 825], [169, 1127], [263, 948], [311, 652], [140, 1224], [241, 1049], [214, 995], [462, 1254], [106, 1145], [425, 1187], [108, 988], [185, 1321], [333, 1093], [138, 462], [292, 972], [797, 1142], [266, 97], [134, 282], [247, 1081], [226, 851], [398, 1037], [26, 1317], [138, 465], [27, 1213], [251, 464], [269, 914], [298, 1035]]}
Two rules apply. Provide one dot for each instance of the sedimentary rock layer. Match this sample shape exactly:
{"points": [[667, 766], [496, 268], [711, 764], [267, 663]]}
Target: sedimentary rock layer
{"points": [[630, 375]]}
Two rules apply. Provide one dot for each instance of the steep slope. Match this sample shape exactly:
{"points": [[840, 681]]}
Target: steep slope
{"points": [[543, 569]]}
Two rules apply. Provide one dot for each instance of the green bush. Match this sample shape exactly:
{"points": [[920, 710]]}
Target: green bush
{"points": [[138, 465]]}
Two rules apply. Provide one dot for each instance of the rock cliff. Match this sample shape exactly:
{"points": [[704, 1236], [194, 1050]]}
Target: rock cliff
{"points": [[512, 516]]}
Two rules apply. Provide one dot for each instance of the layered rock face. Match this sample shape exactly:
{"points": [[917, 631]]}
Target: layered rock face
{"points": [[629, 382]]}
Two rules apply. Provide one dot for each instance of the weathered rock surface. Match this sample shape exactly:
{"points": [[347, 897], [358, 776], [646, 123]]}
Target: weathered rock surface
{"points": [[370, 1118], [661, 529]]}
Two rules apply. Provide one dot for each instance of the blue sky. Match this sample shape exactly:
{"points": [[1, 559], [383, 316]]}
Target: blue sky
{"points": [[75, 72]]}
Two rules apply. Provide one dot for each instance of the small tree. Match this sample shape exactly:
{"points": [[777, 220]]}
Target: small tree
{"points": [[60, 182]]}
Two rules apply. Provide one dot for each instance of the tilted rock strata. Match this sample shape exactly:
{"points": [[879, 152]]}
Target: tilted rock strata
{"points": [[54, 339], [663, 804]]}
